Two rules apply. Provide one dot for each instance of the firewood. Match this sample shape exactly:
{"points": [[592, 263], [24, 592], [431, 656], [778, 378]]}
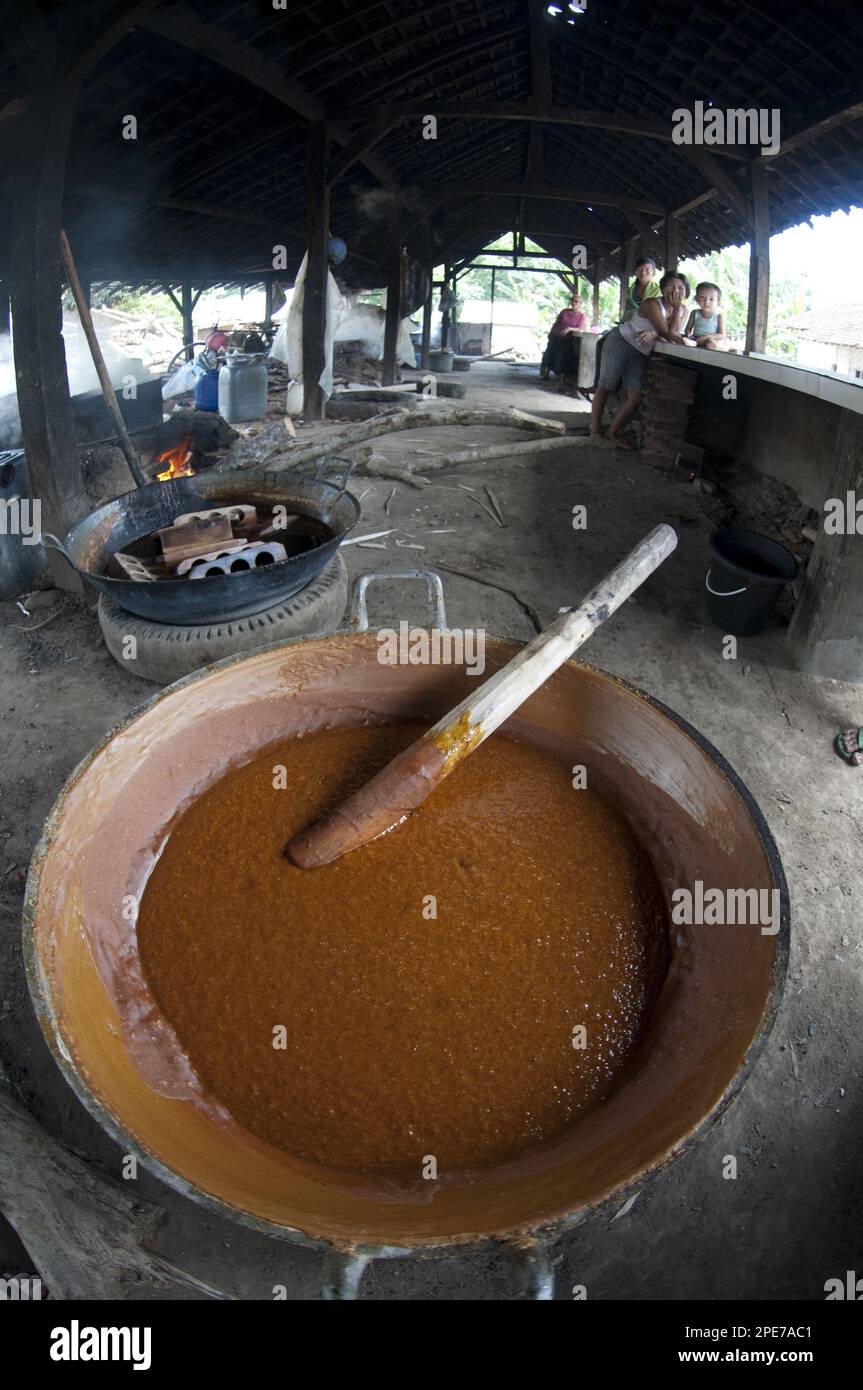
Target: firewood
{"points": [[195, 538]]}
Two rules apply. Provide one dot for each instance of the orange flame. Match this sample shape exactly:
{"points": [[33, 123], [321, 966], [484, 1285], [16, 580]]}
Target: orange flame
{"points": [[177, 461]]}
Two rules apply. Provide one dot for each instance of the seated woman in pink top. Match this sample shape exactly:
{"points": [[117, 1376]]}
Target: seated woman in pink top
{"points": [[558, 356]]}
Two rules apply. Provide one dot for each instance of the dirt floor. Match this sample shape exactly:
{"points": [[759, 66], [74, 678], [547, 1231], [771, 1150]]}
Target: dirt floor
{"points": [[792, 1218]]}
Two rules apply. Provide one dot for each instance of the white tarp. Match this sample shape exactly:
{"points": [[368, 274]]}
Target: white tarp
{"points": [[346, 322], [288, 342]]}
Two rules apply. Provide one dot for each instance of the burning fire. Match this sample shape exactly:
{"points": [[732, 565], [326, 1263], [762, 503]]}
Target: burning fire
{"points": [[177, 461]]}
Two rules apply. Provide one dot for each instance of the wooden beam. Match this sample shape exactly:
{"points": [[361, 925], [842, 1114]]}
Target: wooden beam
{"points": [[110, 33], [394, 292], [759, 262], [834, 121], [619, 121], [317, 271], [47, 425], [188, 326], [540, 67], [672, 242], [182, 26], [428, 303], [492, 189], [360, 145], [594, 307], [717, 178], [268, 301], [627, 261]]}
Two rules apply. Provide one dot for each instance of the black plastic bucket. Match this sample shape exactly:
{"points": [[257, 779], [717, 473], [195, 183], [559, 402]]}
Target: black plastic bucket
{"points": [[748, 573]]}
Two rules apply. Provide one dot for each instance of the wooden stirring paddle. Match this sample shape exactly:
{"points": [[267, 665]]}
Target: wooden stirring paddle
{"points": [[399, 788]]}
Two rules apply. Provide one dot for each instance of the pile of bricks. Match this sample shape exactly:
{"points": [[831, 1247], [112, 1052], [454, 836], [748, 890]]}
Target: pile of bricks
{"points": [[665, 413]]}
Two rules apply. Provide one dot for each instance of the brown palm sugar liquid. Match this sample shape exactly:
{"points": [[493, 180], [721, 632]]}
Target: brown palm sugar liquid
{"points": [[431, 988]]}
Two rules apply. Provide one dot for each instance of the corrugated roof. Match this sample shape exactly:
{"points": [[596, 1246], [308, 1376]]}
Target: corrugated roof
{"points": [[223, 93]]}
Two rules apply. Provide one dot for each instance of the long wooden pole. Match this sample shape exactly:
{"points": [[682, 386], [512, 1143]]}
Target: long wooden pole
{"points": [[99, 362], [402, 786]]}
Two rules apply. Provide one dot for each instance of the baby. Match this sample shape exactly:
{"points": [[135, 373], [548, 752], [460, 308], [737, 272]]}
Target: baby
{"points": [[706, 324]]}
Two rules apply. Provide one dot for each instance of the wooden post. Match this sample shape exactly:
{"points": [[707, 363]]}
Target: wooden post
{"points": [[188, 326], [427, 322], [594, 313], [42, 136], [268, 302], [825, 628], [317, 271], [672, 242], [394, 289], [627, 260], [759, 262], [447, 283]]}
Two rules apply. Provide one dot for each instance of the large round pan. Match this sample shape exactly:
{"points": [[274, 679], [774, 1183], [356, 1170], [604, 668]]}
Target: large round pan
{"points": [[91, 542], [687, 806]]}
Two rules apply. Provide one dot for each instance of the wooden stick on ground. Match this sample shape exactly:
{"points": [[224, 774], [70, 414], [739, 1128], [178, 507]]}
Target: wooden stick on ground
{"points": [[394, 421], [99, 362], [402, 786]]}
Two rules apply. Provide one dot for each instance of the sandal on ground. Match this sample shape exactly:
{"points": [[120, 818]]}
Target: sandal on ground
{"points": [[848, 743]]}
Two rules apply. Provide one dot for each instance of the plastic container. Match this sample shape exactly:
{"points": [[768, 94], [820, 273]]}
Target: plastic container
{"points": [[19, 562], [207, 391], [243, 388], [441, 360], [748, 573]]}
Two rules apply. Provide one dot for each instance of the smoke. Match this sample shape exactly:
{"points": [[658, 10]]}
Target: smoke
{"points": [[10, 425], [79, 368]]}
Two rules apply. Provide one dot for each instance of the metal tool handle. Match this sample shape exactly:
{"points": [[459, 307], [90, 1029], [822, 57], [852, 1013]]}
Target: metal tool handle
{"points": [[343, 1270], [53, 543], [718, 593], [358, 616], [349, 466]]}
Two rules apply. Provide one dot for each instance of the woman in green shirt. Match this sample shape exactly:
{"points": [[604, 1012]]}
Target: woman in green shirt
{"points": [[644, 286]]}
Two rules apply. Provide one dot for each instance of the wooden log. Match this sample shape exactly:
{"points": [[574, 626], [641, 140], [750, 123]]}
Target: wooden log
{"points": [[391, 422], [88, 1236], [99, 362], [485, 453]]}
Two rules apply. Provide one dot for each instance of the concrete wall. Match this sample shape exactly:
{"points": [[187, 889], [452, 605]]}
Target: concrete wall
{"points": [[791, 437], [784, 434]]}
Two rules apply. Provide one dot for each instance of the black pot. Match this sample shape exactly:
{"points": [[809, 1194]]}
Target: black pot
{"points": [[91, 542]]}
